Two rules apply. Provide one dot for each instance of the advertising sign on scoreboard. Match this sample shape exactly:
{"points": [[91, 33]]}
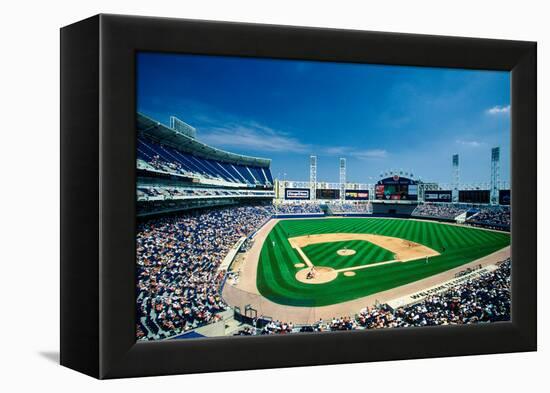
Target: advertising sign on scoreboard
{"points": [[297, 193], [438, 196], [357, 195], [379, 191]]}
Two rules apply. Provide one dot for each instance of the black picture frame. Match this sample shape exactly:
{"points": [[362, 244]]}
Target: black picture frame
{"points": [[98, 180]]}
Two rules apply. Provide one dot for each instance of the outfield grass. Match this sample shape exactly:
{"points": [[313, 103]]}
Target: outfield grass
{"points": [[324, 254], [276, 271]]}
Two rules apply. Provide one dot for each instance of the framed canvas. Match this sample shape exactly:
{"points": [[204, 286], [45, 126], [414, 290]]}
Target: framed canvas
{"points": [[240, 196]]}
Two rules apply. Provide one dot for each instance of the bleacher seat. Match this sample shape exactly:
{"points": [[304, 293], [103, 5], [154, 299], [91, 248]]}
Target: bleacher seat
{"points": [[169, 159]]}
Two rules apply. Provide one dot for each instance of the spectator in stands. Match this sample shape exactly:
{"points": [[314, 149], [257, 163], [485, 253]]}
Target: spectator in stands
{"points": [[482, 299], [345, 207], [178, 280], [492, 216], [439, 210], [298, 208]]}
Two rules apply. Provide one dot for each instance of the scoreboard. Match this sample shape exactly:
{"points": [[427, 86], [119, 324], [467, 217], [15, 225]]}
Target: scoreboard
{"points": [[396, 192], [396, 188]]}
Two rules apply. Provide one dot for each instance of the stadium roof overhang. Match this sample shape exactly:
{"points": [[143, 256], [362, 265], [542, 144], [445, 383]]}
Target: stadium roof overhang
{"points": [[163, 134]]}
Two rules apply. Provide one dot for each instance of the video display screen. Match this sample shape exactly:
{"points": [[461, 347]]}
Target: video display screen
{"points": [[396, 192]]}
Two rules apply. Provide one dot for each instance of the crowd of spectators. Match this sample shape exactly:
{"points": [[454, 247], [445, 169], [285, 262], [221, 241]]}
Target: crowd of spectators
{"points": [[496, 216], [484, 298], [178, 280], [148, 192], [488, 216], [271, 327], [346, 207], [168, 166], [343, 323], [277, 327], [440, 210], [298, 208]]}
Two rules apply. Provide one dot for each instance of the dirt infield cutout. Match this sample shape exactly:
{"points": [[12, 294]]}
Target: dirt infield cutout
{"points": [[404, 250]]}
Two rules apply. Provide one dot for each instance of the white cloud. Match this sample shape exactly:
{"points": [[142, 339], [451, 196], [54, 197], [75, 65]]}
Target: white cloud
{"points": [[498, 110], [227, 131], [469, 143], [348, 151], [369, 154], [253, 136], [337, 150]]}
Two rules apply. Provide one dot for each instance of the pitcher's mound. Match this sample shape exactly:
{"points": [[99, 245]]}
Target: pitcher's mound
{"points": [[345, 252], [321, 275]]}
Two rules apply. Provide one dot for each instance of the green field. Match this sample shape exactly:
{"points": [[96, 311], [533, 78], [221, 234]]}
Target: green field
{"points": [[324, 254], [276, 271]]}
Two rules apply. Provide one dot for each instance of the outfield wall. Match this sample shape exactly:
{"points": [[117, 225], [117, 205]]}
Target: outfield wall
{"points": [[310, 215], [393, 209], [349, 214]]}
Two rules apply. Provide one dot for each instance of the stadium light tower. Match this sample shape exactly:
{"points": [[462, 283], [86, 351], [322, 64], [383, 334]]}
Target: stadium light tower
{"points": [[495, 174], [312, 177], [342, 178], [456, 177]]}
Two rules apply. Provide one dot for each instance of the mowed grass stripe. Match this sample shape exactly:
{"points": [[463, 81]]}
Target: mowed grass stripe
{"points": [[325, 254], [276, 270]]}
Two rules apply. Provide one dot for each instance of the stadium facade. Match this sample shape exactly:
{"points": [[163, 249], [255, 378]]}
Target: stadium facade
{"points": [[176, 172]]}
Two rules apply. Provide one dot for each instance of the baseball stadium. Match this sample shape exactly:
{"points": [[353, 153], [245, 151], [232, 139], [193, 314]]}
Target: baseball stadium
{"points": [[225, 248]]}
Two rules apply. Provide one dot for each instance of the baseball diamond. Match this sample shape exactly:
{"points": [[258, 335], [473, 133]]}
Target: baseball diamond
{"points": [[276, 274]]}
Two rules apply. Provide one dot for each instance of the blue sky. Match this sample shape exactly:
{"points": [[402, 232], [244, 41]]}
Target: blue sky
{"points": [[377, 117]]}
